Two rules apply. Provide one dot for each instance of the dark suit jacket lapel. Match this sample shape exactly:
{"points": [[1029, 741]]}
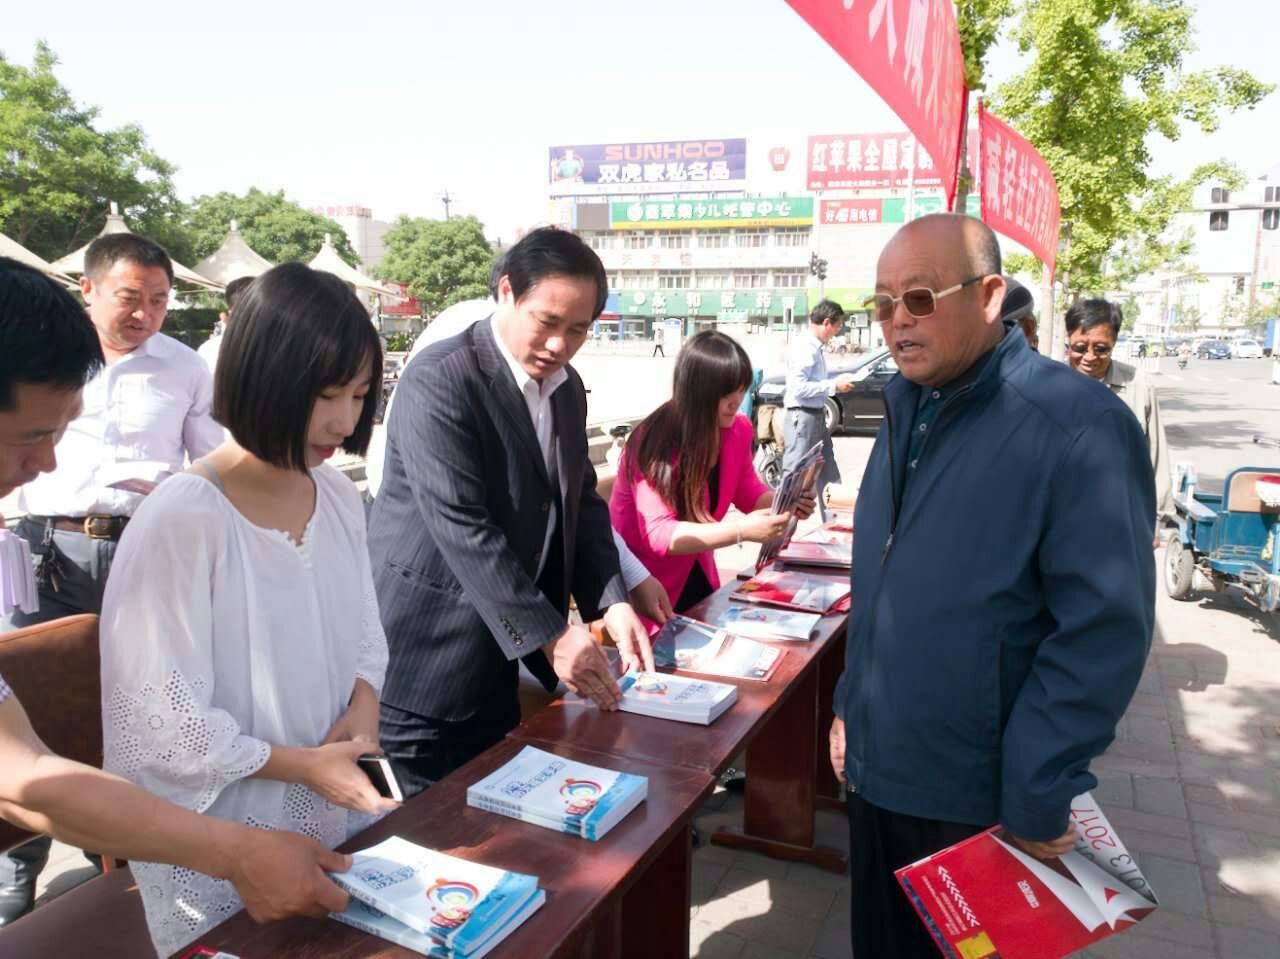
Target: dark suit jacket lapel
{"points": [[508, 398]]}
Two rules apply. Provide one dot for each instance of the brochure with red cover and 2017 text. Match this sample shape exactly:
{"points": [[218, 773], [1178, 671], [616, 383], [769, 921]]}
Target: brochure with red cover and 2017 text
{"points": [[985, 898]]}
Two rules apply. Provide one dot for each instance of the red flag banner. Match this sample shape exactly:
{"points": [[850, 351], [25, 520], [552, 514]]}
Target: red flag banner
{"points": [[908, 51], [1019, 193]]}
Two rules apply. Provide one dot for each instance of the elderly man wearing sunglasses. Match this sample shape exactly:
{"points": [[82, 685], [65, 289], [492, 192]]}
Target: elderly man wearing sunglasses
{"points": [[1093, 327], [995, 639]]}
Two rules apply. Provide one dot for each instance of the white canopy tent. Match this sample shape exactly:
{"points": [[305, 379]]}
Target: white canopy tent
{"points": [[329, 261], [73, 262], [16, 251], [234, 259]]}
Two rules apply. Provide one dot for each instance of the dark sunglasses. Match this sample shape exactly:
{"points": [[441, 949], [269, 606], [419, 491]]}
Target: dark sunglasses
{"points": [[1099, 349], [919, 301]]}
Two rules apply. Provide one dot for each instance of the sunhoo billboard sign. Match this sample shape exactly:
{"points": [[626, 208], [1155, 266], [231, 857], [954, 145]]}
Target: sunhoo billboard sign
{"points": [[648, 167]]}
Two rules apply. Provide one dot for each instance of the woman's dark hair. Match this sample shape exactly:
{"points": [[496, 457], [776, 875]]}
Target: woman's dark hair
{"points": [[550, 251], [45, 336], [675, 446], [297, 333], [1084, 315]]}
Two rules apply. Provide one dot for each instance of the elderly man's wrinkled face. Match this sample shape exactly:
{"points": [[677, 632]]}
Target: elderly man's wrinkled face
{"points": [[933, 350], [1089, 351]]}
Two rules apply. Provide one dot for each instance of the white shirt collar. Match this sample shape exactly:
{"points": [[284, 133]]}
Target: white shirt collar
{"points": [[546, 387]]}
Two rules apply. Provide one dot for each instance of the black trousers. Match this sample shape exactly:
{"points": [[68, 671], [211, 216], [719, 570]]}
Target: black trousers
{"points": [[884, 924], [424, 749]]}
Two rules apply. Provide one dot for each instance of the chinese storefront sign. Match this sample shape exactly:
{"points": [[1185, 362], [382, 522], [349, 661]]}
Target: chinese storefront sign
{"points": [[840, 212], [728, 305], [870, 161], [677, 214], [908, 51], [1019, 193], [647, 166], [895, 208]]}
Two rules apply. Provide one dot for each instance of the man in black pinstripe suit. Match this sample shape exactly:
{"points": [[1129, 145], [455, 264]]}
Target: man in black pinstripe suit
{"points": [[488, 518]]}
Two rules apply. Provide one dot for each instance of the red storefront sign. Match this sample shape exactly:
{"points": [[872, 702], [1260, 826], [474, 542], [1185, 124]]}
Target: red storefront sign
{"points": [[1019, 193], [871, 161], [908, 51], [844, 212]]}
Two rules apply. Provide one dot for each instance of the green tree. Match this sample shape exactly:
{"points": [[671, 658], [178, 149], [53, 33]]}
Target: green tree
{"points": [[276, 227], [59, 172], [979, 23], [1105, 83], [442, 261]]}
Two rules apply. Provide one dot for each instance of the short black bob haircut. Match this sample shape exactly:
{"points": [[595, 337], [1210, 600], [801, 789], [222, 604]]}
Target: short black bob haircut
{"points": [[826, 311], [45, 336], [106, 251], [297, 333], [1084, 315], [549, 251]]}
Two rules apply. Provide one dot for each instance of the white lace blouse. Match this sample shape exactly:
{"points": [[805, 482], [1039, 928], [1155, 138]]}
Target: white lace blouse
{"points": [[220, 638]]}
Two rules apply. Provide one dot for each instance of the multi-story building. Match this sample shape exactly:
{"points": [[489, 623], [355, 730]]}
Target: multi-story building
{"points": [[1236, 259], [363, 231]]}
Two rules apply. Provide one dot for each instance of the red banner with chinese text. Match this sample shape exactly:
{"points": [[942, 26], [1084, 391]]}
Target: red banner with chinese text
{"points": [[908, 51], [1019, 193]]}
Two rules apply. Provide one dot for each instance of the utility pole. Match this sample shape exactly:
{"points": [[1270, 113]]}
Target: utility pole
{"points": [[446, 199]]}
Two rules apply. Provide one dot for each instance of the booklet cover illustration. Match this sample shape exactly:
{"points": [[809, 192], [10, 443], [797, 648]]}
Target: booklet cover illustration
{"points": [[985, 898]]}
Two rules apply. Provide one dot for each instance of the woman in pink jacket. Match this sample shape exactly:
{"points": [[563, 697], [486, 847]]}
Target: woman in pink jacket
{"points": [[685, 465]]}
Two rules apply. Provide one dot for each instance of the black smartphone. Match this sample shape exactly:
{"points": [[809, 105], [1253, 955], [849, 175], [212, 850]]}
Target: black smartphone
{"points": [[380, 773]]}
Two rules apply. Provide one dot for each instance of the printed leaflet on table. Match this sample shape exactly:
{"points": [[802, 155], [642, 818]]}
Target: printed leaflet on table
{"points": [[549, 790], [431, 900], [792, 589], [698, 647], [984, 898]]}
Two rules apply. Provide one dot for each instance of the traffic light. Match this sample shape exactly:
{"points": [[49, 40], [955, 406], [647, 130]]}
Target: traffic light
{"points": [[1271, 218], [817, 266]]}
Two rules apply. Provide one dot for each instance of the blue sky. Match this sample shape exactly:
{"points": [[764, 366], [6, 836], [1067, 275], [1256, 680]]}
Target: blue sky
{"points": [[388, 102]]}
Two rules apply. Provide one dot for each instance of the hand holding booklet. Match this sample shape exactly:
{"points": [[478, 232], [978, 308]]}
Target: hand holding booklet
{"points": [[433, 903], [985, 898], [787, 497]]}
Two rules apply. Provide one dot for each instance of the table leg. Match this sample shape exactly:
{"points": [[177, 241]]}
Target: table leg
{"points": [[655, 910], [781, 789]]}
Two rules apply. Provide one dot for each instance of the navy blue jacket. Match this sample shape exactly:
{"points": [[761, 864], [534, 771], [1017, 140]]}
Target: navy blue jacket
{"points": [[1003, 610]]}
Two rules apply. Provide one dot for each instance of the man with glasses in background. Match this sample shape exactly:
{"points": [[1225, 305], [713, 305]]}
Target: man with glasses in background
{"points": [[998, 634], [1093, 327]]}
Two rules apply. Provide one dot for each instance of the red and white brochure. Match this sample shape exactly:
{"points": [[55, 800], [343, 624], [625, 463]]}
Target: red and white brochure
{"points": [[986, 899]]}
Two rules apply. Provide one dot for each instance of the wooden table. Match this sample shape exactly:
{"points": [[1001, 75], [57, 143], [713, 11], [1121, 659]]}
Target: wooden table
{"points": [[778, 722], [627, 895]]}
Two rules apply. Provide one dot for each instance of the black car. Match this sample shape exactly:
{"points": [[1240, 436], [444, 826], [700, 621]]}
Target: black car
{"points": [[861, 409], [1213, 350]]}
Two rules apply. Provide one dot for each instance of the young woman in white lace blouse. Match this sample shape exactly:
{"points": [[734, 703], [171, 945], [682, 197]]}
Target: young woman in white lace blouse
{"points": [[242, 655]]}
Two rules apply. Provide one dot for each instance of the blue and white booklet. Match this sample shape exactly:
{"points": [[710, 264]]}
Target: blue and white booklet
{"points": [[679, 698], [367, 919], [549, 790], [458, 906]]}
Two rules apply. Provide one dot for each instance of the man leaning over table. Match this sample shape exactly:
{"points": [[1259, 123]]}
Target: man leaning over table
{"points": [[141, 416], [48, 350], [997, 634], [488, 519]]}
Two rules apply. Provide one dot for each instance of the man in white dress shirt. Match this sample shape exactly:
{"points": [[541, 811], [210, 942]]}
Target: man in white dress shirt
{"points": [[141, 417], [805, 397]]}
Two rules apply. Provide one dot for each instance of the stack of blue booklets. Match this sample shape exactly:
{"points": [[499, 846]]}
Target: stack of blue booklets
{"points": [[432, 903], [549, 790]]}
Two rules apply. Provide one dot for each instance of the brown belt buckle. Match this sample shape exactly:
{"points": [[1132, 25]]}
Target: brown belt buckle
{"points": [[99, 527]]}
